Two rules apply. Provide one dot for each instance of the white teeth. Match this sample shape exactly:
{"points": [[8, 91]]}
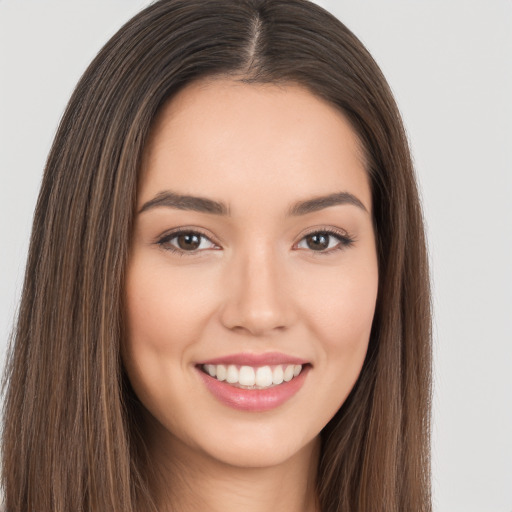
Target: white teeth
{"points": [[221, 372], [277, 375], [253, 377], [232, 375], [247, 376], [288, 373], [264, 377]]}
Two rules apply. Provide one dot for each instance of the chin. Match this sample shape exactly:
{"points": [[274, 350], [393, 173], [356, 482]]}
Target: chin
{"points": [[262, 454], [257, 445]]}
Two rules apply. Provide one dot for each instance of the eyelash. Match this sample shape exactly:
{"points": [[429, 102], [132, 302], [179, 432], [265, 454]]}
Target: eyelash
{"points": [[344, 241]]}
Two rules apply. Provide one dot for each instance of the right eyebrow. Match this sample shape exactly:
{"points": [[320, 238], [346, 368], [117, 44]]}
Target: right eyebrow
{"points": [[185, 202]]}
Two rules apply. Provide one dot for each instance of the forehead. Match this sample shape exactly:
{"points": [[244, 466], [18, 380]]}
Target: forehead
{"points": [[221, 136]]}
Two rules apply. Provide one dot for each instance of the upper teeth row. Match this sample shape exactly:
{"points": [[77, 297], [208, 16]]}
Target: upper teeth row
{"points": [[263, 376]]}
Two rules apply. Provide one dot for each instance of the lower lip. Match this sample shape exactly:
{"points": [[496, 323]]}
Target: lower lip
{"points": [[254, 400]]}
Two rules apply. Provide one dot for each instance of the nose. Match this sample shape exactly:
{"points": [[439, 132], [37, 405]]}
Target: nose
{"points": [[257, 299]]}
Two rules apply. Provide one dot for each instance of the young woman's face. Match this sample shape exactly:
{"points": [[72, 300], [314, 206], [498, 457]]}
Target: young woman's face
{"points": [[253, 259]]}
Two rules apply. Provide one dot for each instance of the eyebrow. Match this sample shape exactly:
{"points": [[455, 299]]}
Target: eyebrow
{"points": [[319, 203], [185, 202], [171, 199]]}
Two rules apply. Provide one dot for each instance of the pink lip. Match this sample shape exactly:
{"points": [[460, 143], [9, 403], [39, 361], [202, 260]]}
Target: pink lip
{"points": [[268, 358], [253, 400]]}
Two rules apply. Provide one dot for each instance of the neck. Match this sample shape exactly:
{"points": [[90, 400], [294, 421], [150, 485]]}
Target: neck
{"points": [[187, 480]]}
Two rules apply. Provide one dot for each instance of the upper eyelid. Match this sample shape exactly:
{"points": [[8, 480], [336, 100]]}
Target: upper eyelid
{"points": [[325, 229]]}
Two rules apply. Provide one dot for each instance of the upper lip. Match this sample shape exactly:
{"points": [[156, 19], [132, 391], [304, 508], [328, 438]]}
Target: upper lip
{"points": [[247, 359]]}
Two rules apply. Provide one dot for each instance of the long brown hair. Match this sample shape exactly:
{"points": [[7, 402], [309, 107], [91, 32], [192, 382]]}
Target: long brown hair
{"points": [[70, 434]]}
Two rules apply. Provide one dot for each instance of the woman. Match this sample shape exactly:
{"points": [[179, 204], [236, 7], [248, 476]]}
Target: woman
{"points": [[226, 301]]}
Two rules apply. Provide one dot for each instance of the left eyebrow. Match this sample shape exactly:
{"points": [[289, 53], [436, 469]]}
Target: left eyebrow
{"points": [[319, 203]]}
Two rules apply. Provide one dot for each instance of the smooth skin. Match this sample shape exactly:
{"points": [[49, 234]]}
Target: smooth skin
{"points": [[253, 279]]}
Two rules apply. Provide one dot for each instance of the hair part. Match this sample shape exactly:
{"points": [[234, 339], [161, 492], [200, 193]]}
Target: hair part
{"points": [[71, 435]]}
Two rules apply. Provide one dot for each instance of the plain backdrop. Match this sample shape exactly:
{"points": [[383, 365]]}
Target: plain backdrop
{"points": [[449, 63]]}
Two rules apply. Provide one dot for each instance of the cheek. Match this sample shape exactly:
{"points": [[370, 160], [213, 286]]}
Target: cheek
{"points": [[149, 313], [164, 318], [163, 309], [342, 307], [339, 309], [159, 328]]}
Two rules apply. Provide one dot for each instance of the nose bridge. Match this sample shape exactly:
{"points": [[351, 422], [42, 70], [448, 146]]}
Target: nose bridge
{"points": [[257, 299]]}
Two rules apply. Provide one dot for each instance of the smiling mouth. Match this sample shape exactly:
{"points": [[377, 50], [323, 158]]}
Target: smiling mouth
{"points": [[253, 377]]}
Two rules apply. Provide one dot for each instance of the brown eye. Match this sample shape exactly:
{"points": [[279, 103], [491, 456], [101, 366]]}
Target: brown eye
{"points": [[325, 241], [188, 241], [318, 241]]}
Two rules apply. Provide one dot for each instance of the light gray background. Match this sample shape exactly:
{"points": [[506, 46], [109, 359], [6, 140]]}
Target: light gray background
{"points": [[449, 63]]}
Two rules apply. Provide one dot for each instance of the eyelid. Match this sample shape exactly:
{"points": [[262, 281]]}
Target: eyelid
{"points": [[324, 229]]}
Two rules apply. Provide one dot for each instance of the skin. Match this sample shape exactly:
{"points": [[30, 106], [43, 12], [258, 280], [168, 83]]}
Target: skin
{"points": [[254, 285]]}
